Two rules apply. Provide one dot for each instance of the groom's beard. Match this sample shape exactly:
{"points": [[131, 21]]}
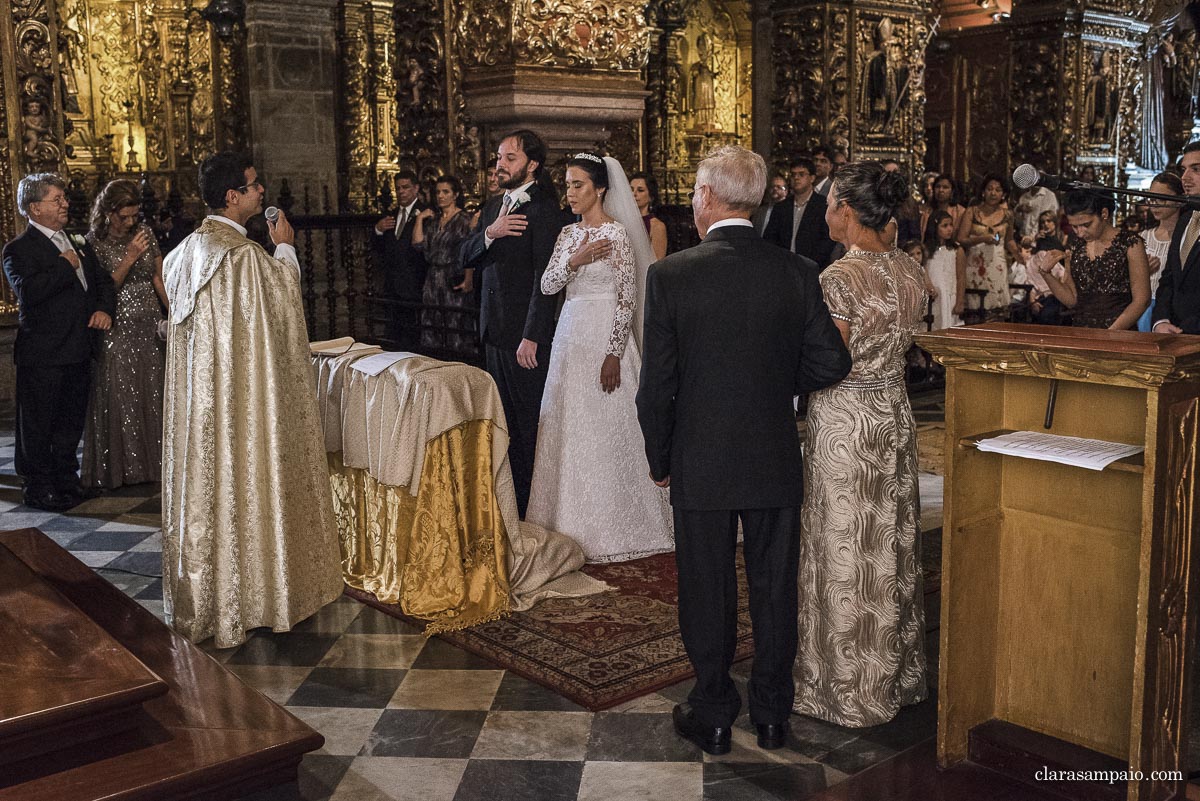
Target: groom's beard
{"points": [[514, 181]]}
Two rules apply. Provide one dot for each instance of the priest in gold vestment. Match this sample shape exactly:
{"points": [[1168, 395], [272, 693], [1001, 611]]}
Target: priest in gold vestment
{"points": [[249, 537]]}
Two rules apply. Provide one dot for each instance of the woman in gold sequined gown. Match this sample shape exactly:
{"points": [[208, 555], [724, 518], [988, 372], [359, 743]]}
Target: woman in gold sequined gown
{"points": [[122, 441], [861, 653]]}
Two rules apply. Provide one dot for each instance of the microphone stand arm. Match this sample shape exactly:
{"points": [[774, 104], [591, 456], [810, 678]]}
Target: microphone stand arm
{"points": [[1186, 201]]}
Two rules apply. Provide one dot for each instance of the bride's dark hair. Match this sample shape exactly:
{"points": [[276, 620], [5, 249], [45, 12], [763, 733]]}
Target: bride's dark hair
{"points": [[594, 166]]}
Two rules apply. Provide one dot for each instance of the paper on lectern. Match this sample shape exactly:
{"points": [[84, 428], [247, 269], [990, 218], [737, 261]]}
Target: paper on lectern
{"points": [[1094, 454]]}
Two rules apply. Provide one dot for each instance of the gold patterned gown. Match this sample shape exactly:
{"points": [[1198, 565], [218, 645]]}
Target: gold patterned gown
{"points": [[862, 623], [249, 537]]}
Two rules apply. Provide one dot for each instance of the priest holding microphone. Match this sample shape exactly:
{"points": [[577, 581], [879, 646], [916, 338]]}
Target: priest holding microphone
{"points": [[249, 537]]}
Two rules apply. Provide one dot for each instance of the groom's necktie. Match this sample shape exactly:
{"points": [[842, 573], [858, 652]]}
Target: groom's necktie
{"points": [[505, 205], [1189, 239]]}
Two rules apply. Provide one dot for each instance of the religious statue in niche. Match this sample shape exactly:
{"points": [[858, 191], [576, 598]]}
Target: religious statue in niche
{"points": [[883, 79], [704, 87], [415, 73], [35, 130], [1100, 99]]}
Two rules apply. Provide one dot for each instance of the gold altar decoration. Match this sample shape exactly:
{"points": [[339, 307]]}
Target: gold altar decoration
{"points": [[594, 34], [851, 76], [92, 75], [441, 555], [700, 79], [369, 126]]}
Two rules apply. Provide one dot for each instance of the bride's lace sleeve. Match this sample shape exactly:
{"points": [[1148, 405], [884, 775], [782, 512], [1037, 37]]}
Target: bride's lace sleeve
{"points": [[623, 273], [557, 275]]}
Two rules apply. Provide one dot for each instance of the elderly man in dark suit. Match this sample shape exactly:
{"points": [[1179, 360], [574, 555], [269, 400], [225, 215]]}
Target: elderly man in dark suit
{"points": [[734, 328], [401, 266], [63, 297], [799, 224], [511, 246], [1177, 302]]}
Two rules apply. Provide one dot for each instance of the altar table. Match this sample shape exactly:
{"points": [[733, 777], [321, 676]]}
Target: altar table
{"points": [[423, 492]]}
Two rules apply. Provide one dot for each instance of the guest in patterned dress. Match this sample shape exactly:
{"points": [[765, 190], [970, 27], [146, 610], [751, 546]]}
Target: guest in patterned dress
{"points": [[1106, 276], [985, 229], [440, 235], [862, 623], [122, 441]]}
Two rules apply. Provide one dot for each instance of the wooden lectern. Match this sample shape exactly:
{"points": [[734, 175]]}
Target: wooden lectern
{"points": [[1069, 594]]}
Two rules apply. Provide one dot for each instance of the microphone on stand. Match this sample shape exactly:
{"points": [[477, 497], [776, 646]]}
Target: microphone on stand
{"points": [[1027, 176], [272, 213]]}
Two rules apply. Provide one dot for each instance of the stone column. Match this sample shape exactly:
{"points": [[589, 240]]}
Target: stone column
{"points": [[292, 53], [850, 74]]}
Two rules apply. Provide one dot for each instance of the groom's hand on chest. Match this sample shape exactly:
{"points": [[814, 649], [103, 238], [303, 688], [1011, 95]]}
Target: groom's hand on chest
{"points": [[508, 225]]}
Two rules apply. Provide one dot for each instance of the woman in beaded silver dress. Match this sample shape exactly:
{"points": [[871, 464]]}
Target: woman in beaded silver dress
{"points": [[122, 442], [861, 649]]}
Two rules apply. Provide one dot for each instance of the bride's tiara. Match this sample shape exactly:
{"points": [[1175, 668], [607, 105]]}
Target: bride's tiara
{"points": [[589, 157]]}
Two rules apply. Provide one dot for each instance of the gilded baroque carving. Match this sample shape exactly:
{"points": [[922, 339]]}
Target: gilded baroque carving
{"points": [[1034, 130], [483, 34], [801, 92], [423, 139], [40, 146], [1170, 619], [609, 34]]}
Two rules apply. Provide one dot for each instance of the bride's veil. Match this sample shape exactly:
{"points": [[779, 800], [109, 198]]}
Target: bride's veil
{"points": [[620, 205]]}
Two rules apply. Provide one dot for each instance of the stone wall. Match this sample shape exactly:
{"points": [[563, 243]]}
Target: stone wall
{"points": [[293, 77]]}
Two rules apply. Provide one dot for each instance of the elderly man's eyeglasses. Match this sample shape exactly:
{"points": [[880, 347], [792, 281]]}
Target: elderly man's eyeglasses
{"points": [[61, 200]]}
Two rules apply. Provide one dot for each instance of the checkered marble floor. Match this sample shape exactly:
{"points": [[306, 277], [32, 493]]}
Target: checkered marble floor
{"points": [[409, 718]]}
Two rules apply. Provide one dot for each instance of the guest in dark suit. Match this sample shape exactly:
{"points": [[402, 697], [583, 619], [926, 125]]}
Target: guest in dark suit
{"points": [[63, 297], [734, 328], [401, 266], [777, 193], [511, 247], [1177, 303], [824, 160], [799, 224]]}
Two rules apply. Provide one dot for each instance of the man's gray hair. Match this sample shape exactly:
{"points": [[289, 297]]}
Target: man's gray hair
{"points": [[34, 188], [737, 176]]}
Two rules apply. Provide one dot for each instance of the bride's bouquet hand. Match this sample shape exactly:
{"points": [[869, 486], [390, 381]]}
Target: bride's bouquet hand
{"points": [[589, 251], [610, 373]]}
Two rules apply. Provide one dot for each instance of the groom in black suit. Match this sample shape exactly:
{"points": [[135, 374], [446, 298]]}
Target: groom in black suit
{"points": [[64, 297], [734, 328], [1177, 303], [511, 246]]}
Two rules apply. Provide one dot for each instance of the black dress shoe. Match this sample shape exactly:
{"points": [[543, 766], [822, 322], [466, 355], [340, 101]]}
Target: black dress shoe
{"points": [[772, 735], [711, 739], [49, 501]]}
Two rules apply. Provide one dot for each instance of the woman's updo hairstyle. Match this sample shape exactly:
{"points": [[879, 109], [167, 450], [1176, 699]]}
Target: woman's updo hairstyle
{"points": [[1089, 201], [871, 191], [594, 166]]}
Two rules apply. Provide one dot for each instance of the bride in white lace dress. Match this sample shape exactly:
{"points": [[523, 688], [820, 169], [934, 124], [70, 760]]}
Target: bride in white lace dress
{"points": [[590, 476]]}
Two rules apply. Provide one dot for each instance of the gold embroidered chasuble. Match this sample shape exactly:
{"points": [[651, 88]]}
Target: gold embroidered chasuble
{"points": [[249, 537]]}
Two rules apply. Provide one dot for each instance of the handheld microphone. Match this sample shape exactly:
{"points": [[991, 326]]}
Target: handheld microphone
{"points": [[1027, 176], [272, 214]]}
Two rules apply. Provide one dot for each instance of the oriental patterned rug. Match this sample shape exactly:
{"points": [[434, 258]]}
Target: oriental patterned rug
{"points": [[602, 650]]}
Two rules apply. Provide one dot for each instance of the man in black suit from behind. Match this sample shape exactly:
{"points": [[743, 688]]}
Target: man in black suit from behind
{"points": [[64, 296], [1177, 302], [511, 247], [734, 328], [401, 266], [799, 224]]}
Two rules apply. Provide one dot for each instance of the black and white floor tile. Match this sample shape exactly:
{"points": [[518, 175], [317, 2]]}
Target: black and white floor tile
{"points": [[408, 718]]}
